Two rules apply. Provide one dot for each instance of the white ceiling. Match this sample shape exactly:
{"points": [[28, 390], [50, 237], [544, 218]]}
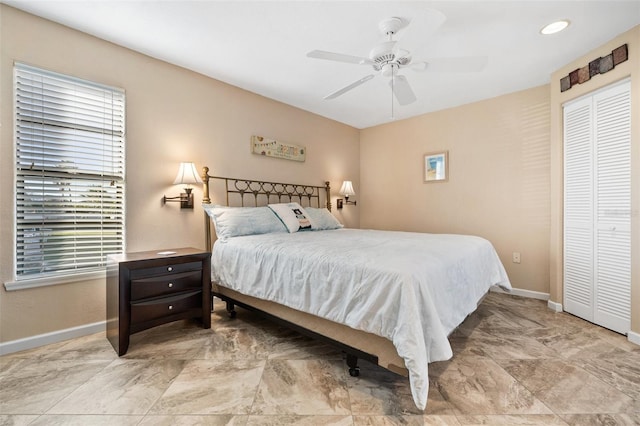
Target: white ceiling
{"points": [[261, 46]]}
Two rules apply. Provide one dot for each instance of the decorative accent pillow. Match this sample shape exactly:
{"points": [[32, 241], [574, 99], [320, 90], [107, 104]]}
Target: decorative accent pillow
{"points": [[236, 221], [322, 219], [294, 217]]}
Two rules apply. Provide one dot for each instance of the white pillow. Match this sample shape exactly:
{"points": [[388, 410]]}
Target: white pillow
{"points": [[294, 217], [322, 219], [236, 221]]}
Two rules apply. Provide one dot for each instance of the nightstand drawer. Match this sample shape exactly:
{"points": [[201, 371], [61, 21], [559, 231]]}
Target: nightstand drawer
{"points": [[165, 269], [165, 306], [165, 284]]}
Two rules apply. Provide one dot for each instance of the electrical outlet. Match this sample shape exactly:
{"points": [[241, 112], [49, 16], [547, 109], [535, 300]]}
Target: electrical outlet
{"points": [[516, 257]]}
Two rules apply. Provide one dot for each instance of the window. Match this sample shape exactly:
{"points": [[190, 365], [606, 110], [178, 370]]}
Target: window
{"points": [[69, 173]]}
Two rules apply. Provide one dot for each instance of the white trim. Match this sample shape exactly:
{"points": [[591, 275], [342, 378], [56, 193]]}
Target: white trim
{"points": [[53, 337], [554, 306], [54, 280], [633, 337], [522, 293]]}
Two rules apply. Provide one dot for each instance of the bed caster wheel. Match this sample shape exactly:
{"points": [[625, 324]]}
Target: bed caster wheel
{"points": [[231, 310], [352, 363]]}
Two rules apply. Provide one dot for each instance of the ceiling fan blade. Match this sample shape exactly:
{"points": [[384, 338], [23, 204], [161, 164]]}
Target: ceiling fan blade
{"points": [[402, 90], [349, 87], [461, 64], [340, 57]]}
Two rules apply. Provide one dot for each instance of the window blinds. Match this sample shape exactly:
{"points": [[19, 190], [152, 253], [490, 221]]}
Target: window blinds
{"points": [[69, 173]]}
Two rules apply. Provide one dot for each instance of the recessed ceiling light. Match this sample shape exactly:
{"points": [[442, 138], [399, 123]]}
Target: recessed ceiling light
{"points": [[555, 27]]}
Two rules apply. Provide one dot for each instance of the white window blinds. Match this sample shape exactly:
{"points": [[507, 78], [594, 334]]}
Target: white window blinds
{"points": [[69, 173]]}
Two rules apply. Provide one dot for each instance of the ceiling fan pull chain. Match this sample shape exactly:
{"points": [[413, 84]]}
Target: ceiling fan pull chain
{"points": [[392, 88]]}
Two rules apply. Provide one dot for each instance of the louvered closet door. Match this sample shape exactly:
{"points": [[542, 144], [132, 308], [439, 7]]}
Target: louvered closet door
{"points": [[612, 132], [597, 243], [578, 209]]}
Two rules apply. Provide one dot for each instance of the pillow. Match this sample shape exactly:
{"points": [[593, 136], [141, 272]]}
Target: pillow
{"points": [[236, 221], [322, 219], [294, 217], [208, 208]]}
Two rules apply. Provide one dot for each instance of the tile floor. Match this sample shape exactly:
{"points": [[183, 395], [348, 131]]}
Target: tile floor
{"points": [[515, 362]]}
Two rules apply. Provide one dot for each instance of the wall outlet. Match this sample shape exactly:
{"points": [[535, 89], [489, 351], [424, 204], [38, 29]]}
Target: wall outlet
{"points": [[516, 257]]}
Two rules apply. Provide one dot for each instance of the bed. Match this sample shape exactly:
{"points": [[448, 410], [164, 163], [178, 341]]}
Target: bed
{"points": [[389, 297]]}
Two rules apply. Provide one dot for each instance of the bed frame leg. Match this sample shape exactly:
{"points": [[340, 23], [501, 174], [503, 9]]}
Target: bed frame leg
{"points": [[352, 362], [231, 309]]}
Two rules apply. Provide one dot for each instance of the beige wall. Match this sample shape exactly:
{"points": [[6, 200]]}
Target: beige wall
{"points": [[498, 185], [173, 115], [630, 68]]}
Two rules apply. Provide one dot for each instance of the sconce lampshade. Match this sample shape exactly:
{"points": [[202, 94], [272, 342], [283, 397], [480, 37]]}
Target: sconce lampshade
{"points": [[347, 189], [187, 174]]}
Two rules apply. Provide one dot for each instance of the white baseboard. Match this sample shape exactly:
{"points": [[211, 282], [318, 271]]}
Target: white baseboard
{"points": [[53, 337], [522, 293], [633, 337], [554, 306]]}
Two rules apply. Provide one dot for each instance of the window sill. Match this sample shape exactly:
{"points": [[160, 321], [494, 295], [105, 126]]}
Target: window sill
{"points": [[54, 280]]}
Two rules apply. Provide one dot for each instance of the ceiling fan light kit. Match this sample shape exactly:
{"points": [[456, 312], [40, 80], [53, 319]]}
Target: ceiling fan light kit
{"points": [[388, 60]]}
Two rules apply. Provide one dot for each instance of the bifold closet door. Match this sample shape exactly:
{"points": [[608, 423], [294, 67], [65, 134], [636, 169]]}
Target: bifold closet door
{"points": [[578, 209], [597, 208]]}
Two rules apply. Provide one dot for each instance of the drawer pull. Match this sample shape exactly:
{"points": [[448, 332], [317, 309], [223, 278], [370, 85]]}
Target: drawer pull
{"points": [[170, 285], [170, 307], [170, 269]]}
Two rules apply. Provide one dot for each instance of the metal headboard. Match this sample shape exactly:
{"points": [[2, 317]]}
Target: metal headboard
{"points": [[268, 192]]}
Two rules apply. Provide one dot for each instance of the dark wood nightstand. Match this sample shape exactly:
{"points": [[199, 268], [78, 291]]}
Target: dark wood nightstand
{"points": [[146, 289]]}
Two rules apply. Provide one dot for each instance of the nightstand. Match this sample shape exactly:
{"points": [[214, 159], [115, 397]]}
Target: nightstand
{"points": [[150, 288]]}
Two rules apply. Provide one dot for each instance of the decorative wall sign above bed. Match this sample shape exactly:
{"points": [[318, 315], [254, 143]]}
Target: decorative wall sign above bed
{"points": [[597, 66], [273, 148]]}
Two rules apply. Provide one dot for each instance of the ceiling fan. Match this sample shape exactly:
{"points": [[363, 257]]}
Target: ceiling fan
{"points": [[387, 59]]}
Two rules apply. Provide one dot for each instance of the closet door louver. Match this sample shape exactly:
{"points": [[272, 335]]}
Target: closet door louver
{"points": [[612, 130], [578, 209], [597, 208]]}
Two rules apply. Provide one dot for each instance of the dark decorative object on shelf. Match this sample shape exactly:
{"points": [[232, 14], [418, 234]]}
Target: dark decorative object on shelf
{"points": [[597, 66], [583, 74], [606, 64], [594, 67], [620, 54]]}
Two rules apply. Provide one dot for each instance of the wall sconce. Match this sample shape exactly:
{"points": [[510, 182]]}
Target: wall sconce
{"points": [[347, 191], [187, 175]]}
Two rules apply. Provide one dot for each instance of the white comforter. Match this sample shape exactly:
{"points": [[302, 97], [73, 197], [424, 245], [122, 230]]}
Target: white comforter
{"points": [[411, 288]]}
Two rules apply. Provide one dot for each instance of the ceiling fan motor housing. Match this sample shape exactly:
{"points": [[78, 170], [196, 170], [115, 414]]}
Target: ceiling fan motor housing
{"points": [[383, 52]]}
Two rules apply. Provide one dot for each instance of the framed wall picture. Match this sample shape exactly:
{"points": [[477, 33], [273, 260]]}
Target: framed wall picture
{"points": [[436, 166]]}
